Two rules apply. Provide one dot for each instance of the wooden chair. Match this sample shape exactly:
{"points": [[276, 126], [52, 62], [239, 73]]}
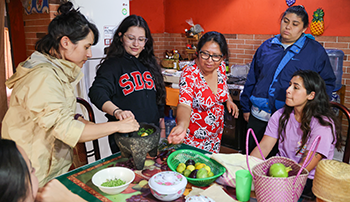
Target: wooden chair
{"points": [[346, 112], [81, 155]]}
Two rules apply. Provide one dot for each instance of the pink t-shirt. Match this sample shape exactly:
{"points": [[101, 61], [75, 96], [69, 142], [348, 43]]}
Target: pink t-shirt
{"points": [[292, 139]]}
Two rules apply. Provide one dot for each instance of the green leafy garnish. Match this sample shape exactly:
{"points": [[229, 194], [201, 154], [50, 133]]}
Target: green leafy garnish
{"points": [[113, 183], [143, 130]]}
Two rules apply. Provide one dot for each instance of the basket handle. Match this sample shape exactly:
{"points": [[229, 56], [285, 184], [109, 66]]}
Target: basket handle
{"points": [[247, 149], [315, 144]]}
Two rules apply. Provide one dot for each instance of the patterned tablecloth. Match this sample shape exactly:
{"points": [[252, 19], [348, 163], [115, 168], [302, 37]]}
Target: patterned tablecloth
{"points": [[79, 182]]}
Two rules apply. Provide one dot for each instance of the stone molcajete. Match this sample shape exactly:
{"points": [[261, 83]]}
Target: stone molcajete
{"points": [[132, 144]]}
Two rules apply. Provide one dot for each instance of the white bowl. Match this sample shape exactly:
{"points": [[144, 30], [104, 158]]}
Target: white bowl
{"points": [[167, 185], [122, 173]]}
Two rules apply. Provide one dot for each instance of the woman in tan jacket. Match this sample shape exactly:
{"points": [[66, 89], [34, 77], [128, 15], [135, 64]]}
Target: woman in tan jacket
{"points": [[41, 116]]}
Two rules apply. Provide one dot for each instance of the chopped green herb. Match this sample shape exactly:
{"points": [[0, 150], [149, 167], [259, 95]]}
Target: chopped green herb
{"points": [[143, 130], [113, 183]]}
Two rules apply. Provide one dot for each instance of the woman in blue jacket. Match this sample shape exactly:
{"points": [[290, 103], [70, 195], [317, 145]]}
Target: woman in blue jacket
{"points": [[273, 65]]}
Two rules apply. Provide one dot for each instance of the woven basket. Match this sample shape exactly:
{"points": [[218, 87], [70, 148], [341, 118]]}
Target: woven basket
{"points": [[276, 189], [332, 181], [181, 156], [167, 63]]}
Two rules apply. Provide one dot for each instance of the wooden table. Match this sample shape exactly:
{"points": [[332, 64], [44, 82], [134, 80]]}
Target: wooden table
{"points": [[79, 181]]}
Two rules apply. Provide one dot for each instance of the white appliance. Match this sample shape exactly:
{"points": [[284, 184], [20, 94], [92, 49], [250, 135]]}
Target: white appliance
{"points": [[106, 15]]}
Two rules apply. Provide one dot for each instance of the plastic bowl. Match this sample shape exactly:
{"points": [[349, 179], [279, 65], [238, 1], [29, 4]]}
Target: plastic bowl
{"points": [[182, 155], [122, 173], [167, 185]]}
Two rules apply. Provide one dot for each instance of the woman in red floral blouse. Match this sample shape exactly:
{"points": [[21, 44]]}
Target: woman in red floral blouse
{"points": [[203, 90]]}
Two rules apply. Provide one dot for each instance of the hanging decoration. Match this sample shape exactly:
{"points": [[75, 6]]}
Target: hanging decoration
{"points": [[290, 2], [317, 24], [35, 6]]}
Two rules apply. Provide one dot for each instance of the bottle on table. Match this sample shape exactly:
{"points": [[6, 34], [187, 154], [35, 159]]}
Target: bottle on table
{"points": [[169, 122]]}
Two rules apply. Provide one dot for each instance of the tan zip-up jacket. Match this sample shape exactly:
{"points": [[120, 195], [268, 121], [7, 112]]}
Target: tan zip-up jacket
{"points": [[40, 117]]}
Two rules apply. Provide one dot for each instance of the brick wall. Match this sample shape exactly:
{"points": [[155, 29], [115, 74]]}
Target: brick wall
{"points": [[243, 46], [35, 27]]}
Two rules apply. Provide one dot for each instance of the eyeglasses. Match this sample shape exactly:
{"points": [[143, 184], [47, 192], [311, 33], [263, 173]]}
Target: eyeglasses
{"points": [[131, 39], [206, 56]]}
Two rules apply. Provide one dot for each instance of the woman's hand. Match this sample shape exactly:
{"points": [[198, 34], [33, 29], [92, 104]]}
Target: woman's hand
{"points": [[127, 125], [232, 108], [115, 111], [177, 135], [93, 132], [55, 191], [246, 116], [123, 114]]}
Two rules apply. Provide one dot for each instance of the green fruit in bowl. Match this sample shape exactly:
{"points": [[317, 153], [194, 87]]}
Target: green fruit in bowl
{"points": [[210, 174], [196, 164], [202, 173], [181, 168], [190, 167], [279, 170], [207, 168], [187, 172]]}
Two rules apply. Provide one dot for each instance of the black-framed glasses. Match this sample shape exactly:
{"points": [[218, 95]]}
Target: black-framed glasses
{"points": [[206, 56], [131, 38]]}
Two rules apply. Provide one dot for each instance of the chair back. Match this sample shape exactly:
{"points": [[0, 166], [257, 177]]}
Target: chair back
{"points": [[346, 112], [81, 154]]}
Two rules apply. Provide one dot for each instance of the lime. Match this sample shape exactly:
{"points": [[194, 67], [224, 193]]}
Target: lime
{"points": [[207, 168], [202, 173], [200, 166], [181, 167], [190, 167], [187, 172]]}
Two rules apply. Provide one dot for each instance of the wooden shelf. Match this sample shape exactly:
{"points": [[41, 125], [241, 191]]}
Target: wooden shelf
{"points": [[191, 51], [193, 42], [192, 39]]}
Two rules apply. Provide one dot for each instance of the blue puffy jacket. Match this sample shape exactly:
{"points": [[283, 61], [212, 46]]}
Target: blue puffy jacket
{"points": [[259, 90]]}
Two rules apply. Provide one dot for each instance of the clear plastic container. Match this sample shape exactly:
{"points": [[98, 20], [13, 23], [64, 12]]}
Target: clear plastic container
{"points": [[336, 58]]}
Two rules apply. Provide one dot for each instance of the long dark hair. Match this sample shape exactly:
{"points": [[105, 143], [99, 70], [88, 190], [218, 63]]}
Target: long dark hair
{"points": [[319, 107], [68, 22], [14, 173], [300, 12], [213, 36], [146, 57]]}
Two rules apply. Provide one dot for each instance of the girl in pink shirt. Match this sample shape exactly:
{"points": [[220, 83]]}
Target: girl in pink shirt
{"points": [[306, 114]]}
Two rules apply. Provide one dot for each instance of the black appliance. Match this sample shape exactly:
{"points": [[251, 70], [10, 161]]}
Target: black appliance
{"points": [[234, 133]]}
